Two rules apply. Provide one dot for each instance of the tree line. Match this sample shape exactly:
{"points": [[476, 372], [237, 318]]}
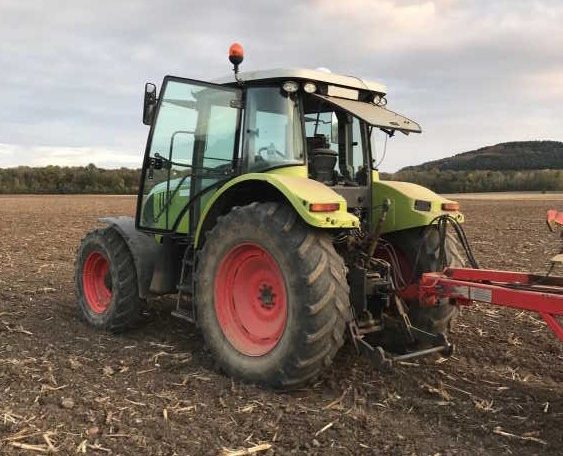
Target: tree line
{"points": [[75, 179], [90, 179], [475, 181]]}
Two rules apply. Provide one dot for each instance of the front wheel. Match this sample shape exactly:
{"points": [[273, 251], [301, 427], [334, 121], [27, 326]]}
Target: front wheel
{"points": [[106, 281], [272, 297]]}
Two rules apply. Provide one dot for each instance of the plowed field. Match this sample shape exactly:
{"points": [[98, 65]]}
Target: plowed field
{"points": [[155, 391]]}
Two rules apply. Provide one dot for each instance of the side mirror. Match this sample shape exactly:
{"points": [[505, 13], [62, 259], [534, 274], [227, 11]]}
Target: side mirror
{"points": [[149, 103]]}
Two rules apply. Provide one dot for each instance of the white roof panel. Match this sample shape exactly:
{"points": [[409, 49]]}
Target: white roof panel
{"points": [[309, 75]]}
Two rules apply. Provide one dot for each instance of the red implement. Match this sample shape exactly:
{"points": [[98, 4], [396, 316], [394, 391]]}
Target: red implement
{"points": [[554, 218], [541, 294]]}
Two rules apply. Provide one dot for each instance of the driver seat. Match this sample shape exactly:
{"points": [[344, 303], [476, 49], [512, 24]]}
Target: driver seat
{"points": [[322, 159], [321, 164]]}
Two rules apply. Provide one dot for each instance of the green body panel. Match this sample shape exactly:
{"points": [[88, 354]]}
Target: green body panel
{"points": [[402, 213], [183, 225], [158, 198], [299, 192], [297, 171], [178, 203]]}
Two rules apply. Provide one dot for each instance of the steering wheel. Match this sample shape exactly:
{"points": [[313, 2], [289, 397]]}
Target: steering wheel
{"points": [[270, 151], [224, 170]]}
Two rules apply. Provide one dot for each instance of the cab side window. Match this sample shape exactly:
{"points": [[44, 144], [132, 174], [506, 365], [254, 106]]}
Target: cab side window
{"points": [[342, 134], [273, 129]]}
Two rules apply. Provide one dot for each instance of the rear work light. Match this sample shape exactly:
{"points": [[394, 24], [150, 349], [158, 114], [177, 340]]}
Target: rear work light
{"points": [[324, 207], [290, 86], [453, 206], [310, 87]]}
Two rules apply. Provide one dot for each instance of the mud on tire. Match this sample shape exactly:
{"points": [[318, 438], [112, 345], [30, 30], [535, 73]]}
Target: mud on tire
{"points": [[316, 292], [106, 282]]}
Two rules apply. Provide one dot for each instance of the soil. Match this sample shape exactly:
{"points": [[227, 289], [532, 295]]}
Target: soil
{"points": [[155, 390]]}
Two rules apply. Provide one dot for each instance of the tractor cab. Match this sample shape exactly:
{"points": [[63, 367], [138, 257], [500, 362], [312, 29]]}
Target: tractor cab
{"points": [[306, 123]]}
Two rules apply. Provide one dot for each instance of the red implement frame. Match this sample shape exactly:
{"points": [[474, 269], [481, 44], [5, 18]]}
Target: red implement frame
{"points": [[535, 293]]}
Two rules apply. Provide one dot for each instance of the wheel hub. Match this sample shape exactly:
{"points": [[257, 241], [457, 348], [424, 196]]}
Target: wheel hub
{"points": [[267, 296]]}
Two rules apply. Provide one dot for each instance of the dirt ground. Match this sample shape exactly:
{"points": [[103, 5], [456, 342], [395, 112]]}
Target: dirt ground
{"points": [[155, 391]]}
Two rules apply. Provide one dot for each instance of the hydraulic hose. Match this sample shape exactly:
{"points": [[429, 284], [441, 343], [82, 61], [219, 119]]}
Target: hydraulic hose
{"points": [[385, 206]]}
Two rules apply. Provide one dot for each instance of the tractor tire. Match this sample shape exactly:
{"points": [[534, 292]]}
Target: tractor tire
{"points": [[436, 319], [106, 282], [271, 295]]}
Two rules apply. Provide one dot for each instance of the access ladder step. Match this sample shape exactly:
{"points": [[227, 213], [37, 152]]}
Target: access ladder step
{"points": [[183, 315], [184, 288]]}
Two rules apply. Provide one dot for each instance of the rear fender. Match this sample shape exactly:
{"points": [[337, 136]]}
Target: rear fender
{"points": [[298, 191], [411, 205], [143, 247]]}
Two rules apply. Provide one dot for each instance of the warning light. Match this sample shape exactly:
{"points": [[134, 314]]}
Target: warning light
{"points": [[236, 54]]}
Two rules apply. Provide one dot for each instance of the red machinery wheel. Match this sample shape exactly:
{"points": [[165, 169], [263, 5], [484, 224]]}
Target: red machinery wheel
{"points": [[271, 296], [106, 281]]}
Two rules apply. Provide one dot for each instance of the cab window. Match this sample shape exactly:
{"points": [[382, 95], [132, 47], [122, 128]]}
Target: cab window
{"points": [[335, 145], [273, 129], [192, 147]]}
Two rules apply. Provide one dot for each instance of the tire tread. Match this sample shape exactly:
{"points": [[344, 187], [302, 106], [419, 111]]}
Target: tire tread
{"points": [[126, 304], [323, 292]]}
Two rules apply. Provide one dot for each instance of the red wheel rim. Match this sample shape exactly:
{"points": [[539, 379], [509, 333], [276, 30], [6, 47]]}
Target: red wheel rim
{"points": [[94, 277], [250, 299]]}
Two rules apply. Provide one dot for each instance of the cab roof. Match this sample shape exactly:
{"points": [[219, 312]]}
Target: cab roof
{"points": [[307, 75]]}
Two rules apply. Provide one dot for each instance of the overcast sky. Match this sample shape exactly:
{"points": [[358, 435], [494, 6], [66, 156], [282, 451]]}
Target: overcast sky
{"points": [[472, 72]]}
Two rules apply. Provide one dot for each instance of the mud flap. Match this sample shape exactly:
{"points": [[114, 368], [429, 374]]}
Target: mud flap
{"points": [[166, 273], [142, 246]]}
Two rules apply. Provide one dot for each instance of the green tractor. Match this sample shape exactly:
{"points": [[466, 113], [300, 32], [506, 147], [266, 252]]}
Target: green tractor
{"points": [[261, 209]]}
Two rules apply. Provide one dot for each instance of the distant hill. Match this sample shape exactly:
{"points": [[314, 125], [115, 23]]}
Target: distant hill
{"points": [[518, 155], [506, 167]]}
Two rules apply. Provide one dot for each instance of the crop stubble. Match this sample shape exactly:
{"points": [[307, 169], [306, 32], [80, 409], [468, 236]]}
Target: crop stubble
{"points": [[155, 391]]}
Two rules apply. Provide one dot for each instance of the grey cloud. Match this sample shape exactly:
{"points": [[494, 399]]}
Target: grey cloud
{"points": [[72, 72]]}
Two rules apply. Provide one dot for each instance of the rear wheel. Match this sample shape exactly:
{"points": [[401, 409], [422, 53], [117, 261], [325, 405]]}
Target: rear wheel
{"points": [[272, 296], [425, 242], [106, 281]]}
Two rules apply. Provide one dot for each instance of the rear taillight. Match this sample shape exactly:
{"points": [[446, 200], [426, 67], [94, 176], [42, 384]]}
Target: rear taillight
{"points": [[324, 207], [453, 206]]}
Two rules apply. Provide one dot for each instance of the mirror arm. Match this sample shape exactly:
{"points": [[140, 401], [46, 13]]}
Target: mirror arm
{"points": [[149, 103]]}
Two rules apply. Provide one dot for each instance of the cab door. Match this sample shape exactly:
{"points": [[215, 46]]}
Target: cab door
{"points": [[192, 146]]}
